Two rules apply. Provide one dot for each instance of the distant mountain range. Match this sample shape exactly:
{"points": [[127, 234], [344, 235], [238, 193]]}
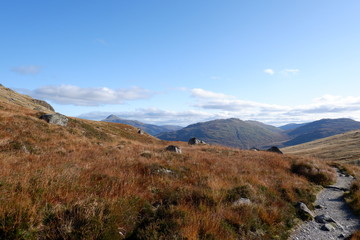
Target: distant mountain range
{"points": [[234, 132], [149, 128], [229, 132], [320, 129]]}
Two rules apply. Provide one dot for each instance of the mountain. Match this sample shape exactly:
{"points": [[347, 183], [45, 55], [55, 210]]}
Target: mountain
{"points": [[341, 147], [229, 132], [291, 126], [149, 128], [320, 129]]}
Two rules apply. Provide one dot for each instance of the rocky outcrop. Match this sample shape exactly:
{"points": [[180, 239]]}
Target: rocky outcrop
{"points": [[275, 150], [55, 118], [195, 141], [172, 148], [43, 103]]}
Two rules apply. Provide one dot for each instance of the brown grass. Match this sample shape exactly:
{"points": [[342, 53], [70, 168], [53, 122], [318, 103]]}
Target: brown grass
{"points": [[342, 147], [92, 180]]}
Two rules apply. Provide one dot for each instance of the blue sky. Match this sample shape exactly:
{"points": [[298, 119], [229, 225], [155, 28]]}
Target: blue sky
{"points": [[180, 62]]}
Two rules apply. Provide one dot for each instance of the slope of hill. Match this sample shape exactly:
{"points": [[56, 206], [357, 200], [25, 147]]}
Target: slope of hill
{"points": [[321, 129], [341, 147], [229, 132], [149, 128], [101, 180], [9, 96]]}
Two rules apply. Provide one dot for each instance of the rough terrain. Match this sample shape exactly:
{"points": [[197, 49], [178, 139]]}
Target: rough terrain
{"points": [[330, 202]]}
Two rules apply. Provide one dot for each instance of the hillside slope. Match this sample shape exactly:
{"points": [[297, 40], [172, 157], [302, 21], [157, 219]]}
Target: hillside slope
{"points": [[9, 96], [341, 147], [229, 132], [149, 128], [100, 180], [320, 129]]}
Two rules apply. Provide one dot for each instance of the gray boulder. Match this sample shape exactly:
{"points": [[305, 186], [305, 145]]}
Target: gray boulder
{"points": [[242, 201], [328, 227], [275, 150], [172, 148], [55, 118], [304, 212], [195, 141]]}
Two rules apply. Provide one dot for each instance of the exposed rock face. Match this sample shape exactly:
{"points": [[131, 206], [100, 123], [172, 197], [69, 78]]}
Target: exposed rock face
{"points": [[172, 148], [55, 118], [275, 150], [43, 103], [195, 141]]}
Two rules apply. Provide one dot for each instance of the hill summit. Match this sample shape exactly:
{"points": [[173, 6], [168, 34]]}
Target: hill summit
{"points": [[231, 132]]}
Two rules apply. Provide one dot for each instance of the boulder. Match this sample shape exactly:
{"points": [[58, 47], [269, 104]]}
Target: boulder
{"points": [[141, 132], [172, 148], [328, 227], [304, 212], [241, 201], [275, 150], [55, 118], [323, 218], [195, 141]]}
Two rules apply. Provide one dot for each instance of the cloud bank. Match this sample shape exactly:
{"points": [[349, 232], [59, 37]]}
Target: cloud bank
{"points": [[74, 95], [208, 105]]}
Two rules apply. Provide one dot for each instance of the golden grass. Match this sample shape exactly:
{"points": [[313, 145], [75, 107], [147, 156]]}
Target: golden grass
{"points": [[92, 180], [342, 147]]}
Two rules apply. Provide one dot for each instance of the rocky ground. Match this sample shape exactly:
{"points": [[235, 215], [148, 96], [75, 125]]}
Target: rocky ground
{"points": [[333, 218]]}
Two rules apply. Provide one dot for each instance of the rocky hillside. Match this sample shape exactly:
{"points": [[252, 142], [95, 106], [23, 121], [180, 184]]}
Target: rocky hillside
{"points": [[101, 180], [9, 96], [148, 128], [229, 132]]}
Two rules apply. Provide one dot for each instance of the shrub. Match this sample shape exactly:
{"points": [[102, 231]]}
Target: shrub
{"points": [[315, 172]]}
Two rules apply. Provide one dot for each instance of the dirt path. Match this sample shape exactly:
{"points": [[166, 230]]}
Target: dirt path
{"points": [[342, 221]]}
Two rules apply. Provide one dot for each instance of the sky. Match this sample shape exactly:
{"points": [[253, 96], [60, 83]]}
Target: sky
{"points": [[180, 62]]}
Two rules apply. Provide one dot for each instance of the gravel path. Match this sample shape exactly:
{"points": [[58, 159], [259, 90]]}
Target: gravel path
{"points": [[331, 203]]}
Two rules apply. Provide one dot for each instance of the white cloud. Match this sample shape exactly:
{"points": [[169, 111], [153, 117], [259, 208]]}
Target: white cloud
{"points": [[269, 71], [201, 93], [327, 106], [74, 95], [288, 72], [157, 116], [27, 70]]}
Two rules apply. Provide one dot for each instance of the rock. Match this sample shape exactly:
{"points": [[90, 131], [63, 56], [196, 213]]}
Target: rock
{"points": [[195, 141], [328, 227], [141, 132], [172, 148], [55, 118], [304, 212], [275, 150], [254, 149], [241, 201], [44, 104], [323, 218]]}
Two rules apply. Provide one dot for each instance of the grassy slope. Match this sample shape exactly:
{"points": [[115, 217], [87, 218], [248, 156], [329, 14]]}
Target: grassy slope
{"points": [[98, 180], [341, 147]]}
